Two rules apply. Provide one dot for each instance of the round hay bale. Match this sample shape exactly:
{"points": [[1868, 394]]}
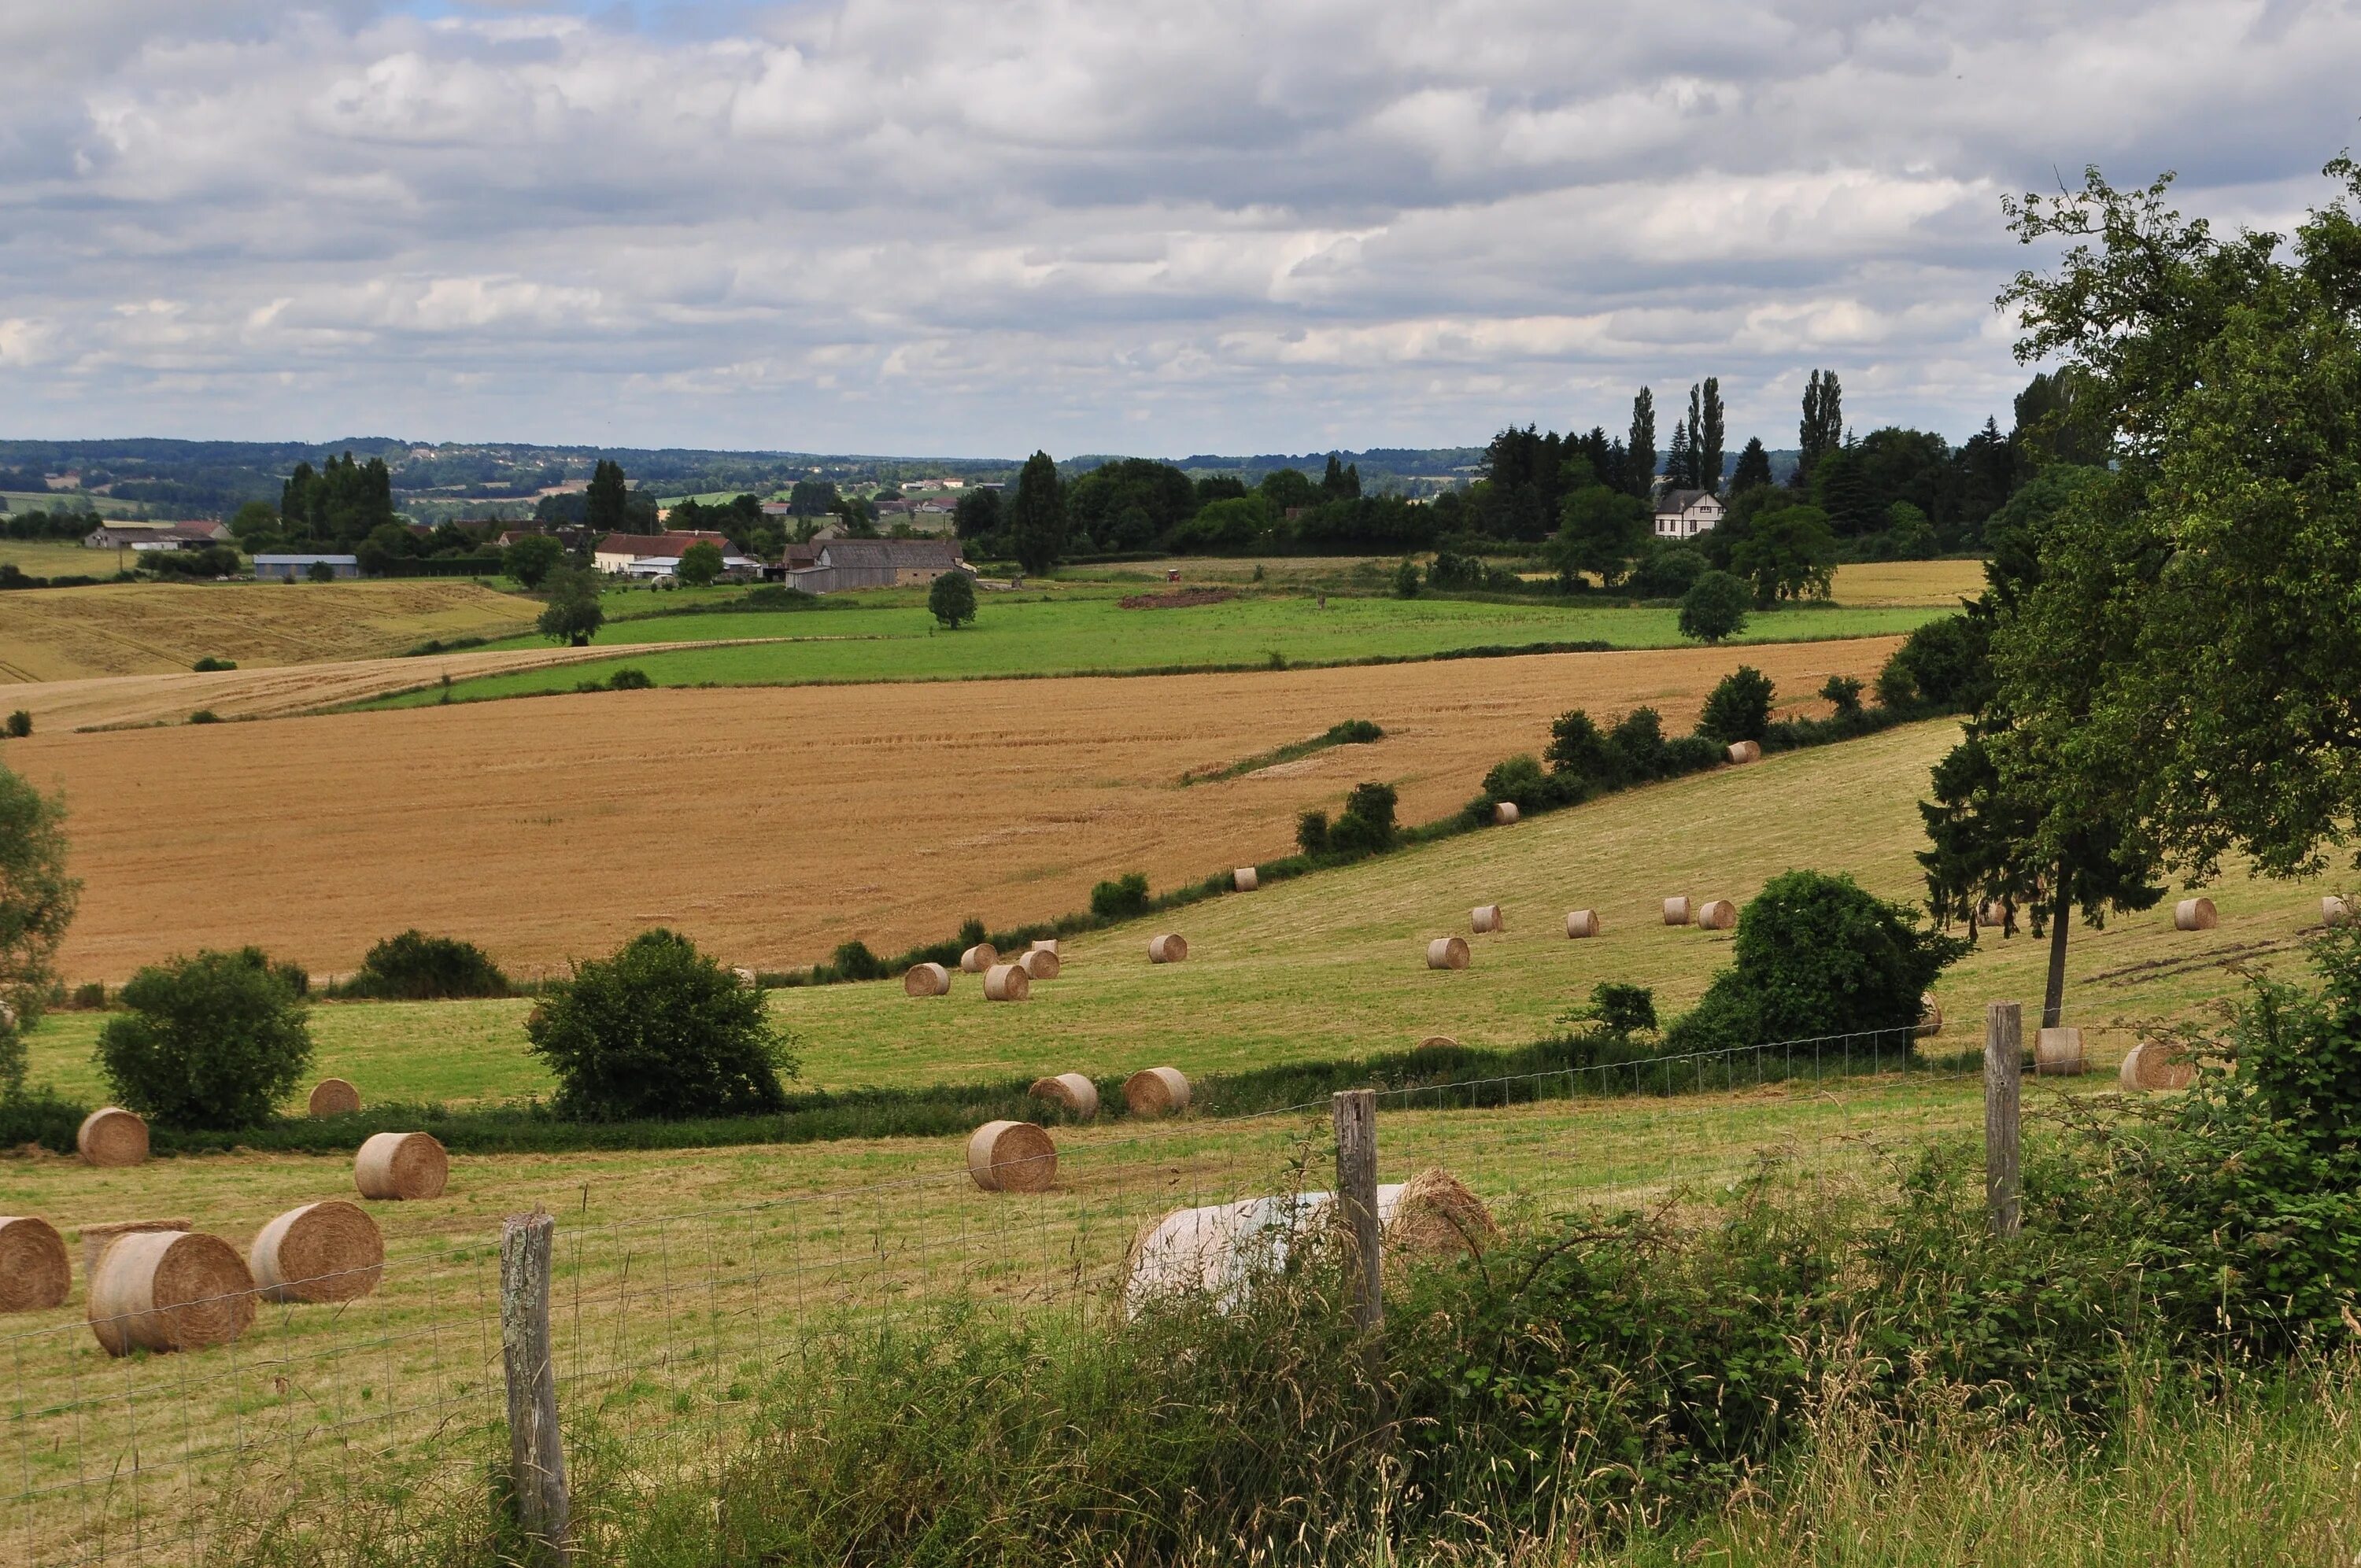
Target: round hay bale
{"points": [[2058, 1053], [1744, 752], [333, 1097], [1245, 879], [1581, 923], [1930, 1017], [328, 1251], [96, 1239], [926, 979], [2194, 914], [980, 958], [1074, 1090], [2335, 911], [1719, 915], [747, 977], [1039, 963], [1012, 1156], [169, 1291], [1155, 1092], [112, 1137], [1434, 1214], [1676, 911], [1007, 982], [1169, 949], [1486, 917], [1994, 914], [33, 1272], [2150, 1066], [403, 1165], [1436, 1043], [1504, 813], [1447, 952]]}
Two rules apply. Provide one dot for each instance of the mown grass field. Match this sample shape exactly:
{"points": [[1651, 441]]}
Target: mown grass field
{"points": [[1031, 635], [52, 634], [57, 558], [774, 824], [1331, 965]]}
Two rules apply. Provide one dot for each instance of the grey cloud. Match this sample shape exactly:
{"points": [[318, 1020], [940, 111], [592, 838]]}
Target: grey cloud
{"points": [[987, 224]]}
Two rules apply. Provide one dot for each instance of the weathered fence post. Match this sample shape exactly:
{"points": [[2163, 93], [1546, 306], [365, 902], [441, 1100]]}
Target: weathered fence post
{"points": [[536, 1458], [2004, 1075], [1356, 1190]]}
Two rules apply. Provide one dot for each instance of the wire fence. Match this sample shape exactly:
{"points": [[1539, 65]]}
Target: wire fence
{"points": [[668, 1325]]}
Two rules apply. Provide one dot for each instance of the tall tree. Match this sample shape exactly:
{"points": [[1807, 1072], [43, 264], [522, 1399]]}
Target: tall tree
{"points": [[608, 504], [1640, 446], [1753, 467], [36, 903], [1708, 435], [1037, 516], [1680, 462], [1821, 431]]}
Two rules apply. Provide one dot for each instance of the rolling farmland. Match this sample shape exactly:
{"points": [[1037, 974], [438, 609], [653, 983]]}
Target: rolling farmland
{"points": [[774, 824]]}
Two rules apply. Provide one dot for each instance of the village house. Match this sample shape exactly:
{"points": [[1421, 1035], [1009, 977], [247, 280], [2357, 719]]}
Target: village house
{"points": [[1685, 514], [156, 535]]}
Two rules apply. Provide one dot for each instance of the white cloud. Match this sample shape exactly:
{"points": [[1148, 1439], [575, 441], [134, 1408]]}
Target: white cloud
{"points": [[983, 225]]}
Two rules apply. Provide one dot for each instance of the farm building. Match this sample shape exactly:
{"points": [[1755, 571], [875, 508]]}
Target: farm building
{"points": [[652, 554], [290, 569], [843, 563], [1685, 514], [156, 535]]}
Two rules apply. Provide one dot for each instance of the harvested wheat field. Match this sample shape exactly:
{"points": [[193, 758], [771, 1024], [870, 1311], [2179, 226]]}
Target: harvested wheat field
{"points": [[773, 823], [55, 634]]}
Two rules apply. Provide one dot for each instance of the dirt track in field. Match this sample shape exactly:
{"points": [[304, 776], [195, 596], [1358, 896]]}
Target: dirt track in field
{"points": [[773, 823], [278, 692]]}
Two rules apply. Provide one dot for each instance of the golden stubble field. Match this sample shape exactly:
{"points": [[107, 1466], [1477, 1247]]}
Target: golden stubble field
{"points": [[55, 634], [771, 823]]}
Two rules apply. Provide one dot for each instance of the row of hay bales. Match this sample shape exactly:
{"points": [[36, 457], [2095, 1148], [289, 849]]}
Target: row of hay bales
{"points": [[1014, 981], [2188, 913], [1021, 1157], [1489, 919], [157, 1285], [112, 1137]]}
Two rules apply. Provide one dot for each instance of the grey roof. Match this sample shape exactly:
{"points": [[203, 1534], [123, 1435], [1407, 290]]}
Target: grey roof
{"points": [[306, 560], [900, 554], [1681, 500]]}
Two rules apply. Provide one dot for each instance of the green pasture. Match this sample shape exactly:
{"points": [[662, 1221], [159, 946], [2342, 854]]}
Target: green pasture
{"points": [[1079, 632], [60, 558], [1331, 965]]}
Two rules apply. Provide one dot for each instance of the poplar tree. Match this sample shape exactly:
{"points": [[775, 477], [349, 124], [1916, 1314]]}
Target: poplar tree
{"points": [[1707, 436], [1639, 450], [1821, 430]]}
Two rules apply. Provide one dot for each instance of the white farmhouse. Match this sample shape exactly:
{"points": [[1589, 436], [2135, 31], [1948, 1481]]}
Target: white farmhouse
{"points": [[1685, 514]]}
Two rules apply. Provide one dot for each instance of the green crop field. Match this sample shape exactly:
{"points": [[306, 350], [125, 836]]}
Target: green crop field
{"points": [[1078, 633], [1330, 965]]}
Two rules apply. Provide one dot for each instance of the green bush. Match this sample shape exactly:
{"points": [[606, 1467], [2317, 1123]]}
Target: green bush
{"points": [[20, 724], [1638, 739], [1843, 693], [209, 664], [214, 1041], [1816, 956], [1668, 573], [658, 1031], [1520, 779], [854, 961], [1944, 666], [1366, 826], [414, 967], [1738, 708], [629, 678], [1121, 899], [1580, 751], [1715, 607], [204, 716], [1311, 833], [1406, 579]]}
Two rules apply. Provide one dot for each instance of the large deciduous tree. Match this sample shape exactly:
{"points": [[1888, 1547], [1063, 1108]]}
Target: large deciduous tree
{"points": [[607, 505], [36, 904]]}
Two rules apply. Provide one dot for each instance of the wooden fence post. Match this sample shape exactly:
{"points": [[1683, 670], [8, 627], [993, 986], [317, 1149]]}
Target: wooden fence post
{"points": [[536, 1457], [2004, 1075], [1357, 1189]]}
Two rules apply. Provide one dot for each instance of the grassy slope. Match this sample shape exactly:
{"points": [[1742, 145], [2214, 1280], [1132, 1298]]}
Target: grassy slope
{"points": [[1073, 635], [56, 558], [1330, 965]]}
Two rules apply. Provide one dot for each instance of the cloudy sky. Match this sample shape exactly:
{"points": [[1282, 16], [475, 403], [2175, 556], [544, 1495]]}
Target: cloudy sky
{"points": [[977, 227]]}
